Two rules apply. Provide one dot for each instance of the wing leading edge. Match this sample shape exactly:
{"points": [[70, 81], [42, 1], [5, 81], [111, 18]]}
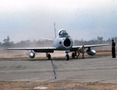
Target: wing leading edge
{"points": [[87, 46], [36, 49]]}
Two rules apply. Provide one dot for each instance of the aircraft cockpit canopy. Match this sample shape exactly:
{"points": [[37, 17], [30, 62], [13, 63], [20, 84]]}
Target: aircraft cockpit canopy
{"points": [[63, 33]]}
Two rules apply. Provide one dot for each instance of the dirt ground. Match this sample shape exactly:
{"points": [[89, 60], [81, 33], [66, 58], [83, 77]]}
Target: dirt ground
{"points": [[56, 85], [60, 85]]}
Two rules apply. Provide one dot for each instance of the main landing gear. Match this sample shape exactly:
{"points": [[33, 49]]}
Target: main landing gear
{"points": [[48, 56], [66, 57], [75, 54]]}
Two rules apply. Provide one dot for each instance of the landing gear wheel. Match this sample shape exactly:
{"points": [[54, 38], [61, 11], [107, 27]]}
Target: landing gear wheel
{"points": [[73, 55], [49, 56], [67, 57], [78, 54]]}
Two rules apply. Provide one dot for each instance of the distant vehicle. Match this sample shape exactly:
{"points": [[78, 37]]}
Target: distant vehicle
{"points": [[63, 42]]}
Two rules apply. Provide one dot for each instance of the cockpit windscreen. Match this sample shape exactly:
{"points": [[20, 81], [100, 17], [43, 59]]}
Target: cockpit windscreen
{"points": [[63, 33]]}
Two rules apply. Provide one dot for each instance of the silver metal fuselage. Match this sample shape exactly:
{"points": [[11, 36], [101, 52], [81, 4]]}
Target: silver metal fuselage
{"points": [[63, 43]]}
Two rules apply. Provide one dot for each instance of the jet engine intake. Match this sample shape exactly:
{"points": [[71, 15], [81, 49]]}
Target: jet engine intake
{"points": [[67, 42], [90, 52], [31, 54]]}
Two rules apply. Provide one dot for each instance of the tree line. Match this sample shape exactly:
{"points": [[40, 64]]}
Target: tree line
{"points": [[7, 42]]}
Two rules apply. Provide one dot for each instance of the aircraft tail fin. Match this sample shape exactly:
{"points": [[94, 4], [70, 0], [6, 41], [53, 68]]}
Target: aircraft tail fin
{"points": [[55, 29]]}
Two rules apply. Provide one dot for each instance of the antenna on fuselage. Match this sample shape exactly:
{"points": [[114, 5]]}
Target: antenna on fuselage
{"points": [[55, 29]]}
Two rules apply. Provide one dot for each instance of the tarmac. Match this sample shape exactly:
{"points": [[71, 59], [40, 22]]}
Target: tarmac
{"points": [[101, 69]]}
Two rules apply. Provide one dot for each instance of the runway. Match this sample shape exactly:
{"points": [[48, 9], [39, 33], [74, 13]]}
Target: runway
{"points": [[102, 69]]}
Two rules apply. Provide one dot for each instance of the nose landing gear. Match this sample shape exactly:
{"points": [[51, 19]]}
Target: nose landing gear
{"points": [[67, 57]]}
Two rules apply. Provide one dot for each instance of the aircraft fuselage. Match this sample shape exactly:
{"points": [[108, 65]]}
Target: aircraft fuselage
{"points": [[63, 41]]}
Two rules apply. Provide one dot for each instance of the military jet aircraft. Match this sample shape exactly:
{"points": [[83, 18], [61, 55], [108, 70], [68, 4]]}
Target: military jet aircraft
{"points": [[63, 42]]}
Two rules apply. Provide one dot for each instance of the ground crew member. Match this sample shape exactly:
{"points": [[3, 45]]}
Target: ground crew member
{"points": [[83, 52], [113, 49]]}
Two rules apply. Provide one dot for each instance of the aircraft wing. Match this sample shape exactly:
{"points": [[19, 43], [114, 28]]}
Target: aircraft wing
{"points": [[51, 49], [36, 49], [87, 46]]}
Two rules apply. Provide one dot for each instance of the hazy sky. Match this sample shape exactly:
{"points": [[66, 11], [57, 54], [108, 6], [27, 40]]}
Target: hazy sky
{"points": [[34, 19]]}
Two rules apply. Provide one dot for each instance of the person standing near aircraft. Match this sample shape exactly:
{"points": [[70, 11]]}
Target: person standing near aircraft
{"points": [[113, 49], [83, 51]]}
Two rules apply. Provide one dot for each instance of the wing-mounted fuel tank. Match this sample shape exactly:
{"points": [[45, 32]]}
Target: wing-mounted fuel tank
{"points": [[31, 54], [90, 51]]}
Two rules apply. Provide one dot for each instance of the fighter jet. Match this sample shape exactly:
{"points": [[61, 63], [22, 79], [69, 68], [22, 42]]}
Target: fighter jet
{"points": [[63, 42]]}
